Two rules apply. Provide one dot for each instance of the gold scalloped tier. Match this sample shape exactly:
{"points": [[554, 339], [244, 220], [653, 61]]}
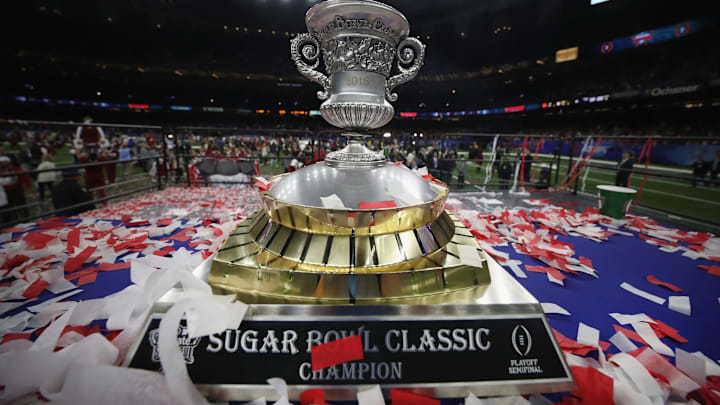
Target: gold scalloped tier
{"points": [[345, 222], [264, 261]]}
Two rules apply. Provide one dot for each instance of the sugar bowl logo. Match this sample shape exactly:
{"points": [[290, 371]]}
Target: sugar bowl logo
{"points": [[187, 344], [521, 340]]}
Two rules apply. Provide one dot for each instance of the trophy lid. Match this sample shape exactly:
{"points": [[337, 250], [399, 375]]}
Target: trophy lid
{"points": [[330, 17], [352, 185]]}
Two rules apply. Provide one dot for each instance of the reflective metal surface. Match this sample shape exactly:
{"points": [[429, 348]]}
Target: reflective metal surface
{"points": [[389, 182], [268, 261], [339, 221], [355, 154], [359, 41]]}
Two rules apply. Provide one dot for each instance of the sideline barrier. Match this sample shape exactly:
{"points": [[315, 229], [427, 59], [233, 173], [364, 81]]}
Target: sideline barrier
{"points": [[506, 167]]}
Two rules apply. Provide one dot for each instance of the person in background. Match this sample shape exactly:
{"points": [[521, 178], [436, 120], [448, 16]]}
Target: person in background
{"points": [[5, 180], [14, 187], [624, 169], [698, 171], [94, 176], [715, 169], [433, 164], [505, 172], [68, 196], [461, 166], [124, 155], [45, 179], [527, 169], [107, 155], [477, 154]]}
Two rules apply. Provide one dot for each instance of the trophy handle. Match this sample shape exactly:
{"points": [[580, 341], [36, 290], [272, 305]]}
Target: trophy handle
{"points": [[409, 50], [305, 52]]}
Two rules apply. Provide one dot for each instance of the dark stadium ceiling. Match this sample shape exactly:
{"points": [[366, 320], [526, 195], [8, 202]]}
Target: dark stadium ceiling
{"points": [[64, 25]]}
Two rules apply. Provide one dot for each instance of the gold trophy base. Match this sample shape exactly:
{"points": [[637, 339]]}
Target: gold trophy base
{"points": [[264, 262]]}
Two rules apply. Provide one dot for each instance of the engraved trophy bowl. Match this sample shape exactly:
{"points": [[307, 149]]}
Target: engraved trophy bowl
{"points": [[359, 41]]}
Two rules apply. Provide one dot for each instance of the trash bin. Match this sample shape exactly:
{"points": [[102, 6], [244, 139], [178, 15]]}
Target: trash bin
{"points": [[614, 200]]}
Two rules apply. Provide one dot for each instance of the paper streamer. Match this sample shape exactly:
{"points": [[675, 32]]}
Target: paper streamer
{"points": [[623, 343], [692, 365], [711, 367], [514, 265], [680, 304], [372, 396], [624, 319], [680, 383], [587, 335], [178, 381], [639, 375], [46, 341], [552, 308], [113, 386], [469, 256], [332, 201], [643, 294], [648, 335], [280, 387]]}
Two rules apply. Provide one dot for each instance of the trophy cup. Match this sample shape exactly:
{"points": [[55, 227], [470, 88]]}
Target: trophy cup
{"points": [[357, 246]]}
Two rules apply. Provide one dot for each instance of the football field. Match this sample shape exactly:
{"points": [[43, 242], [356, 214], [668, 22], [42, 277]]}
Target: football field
{"points": [[669, 194]]}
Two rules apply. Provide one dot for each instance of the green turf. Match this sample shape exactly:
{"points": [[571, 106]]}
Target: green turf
{"points": [[672, 195]]}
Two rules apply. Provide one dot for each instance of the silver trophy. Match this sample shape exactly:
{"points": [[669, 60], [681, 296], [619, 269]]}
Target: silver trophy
{"points": [[360, 40]]}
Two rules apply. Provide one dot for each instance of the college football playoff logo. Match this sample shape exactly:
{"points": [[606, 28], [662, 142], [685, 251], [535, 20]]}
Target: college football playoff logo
{"points": [[186, 344], [521, 340]]}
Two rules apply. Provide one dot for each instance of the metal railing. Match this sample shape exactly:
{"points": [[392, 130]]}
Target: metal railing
{"points": [[483, 174]]}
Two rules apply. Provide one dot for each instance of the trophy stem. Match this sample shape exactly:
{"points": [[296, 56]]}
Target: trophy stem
{"points": [[355, 154]]}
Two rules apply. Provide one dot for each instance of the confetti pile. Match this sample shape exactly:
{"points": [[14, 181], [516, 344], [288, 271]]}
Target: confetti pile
{"points": [[66, 326]]}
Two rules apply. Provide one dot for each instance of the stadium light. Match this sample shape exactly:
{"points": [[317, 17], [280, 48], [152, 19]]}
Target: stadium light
{"points": [[387, 135]]}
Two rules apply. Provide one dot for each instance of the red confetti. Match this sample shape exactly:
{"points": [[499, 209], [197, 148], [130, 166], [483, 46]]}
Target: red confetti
{"points": [[87, 279], [76, 262], [81, 273], [164, 222], [574, 347], [400, 397], [13, 230], [16, 261], [36, 288], [8, 337], [336, 352], [697, 248], [712, 270], [669, 286], [541, 269], [73, 240], [630, 334], [585, 261], [164, 251], [263, 186], [113, 266], [313, 396], [83, 330], [199, 242], [660, 327], [594, 387], [376, 205], [37, 240]]}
